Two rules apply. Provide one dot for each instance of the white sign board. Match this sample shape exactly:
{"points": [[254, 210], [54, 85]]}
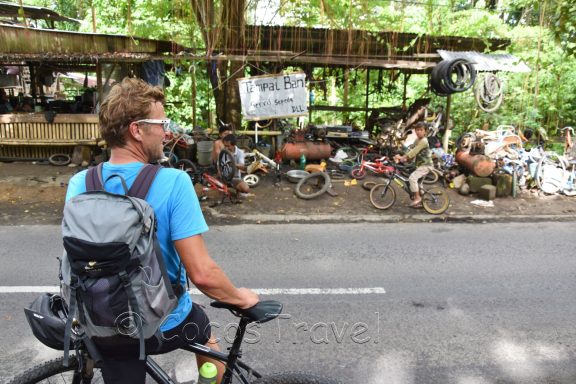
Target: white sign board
{"points": [[273, 96]]}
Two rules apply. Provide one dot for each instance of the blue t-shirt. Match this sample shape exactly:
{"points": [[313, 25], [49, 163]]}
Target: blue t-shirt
{"points": [[177, 211]]}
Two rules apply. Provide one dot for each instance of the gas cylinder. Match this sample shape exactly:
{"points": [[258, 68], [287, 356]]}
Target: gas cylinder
{"points": [[479, 165], [312, 150]]}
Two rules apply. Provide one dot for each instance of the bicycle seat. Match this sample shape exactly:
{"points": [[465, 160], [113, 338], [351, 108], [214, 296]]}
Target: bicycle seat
{"points": [[262, 312]]}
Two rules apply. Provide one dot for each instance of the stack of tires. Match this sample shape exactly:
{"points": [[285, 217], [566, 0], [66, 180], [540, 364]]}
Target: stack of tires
{"points": [[451, 76]]}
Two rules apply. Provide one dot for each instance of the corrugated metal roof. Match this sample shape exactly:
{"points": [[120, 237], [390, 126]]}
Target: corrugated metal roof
{"points": [[19, 43], [12, 10], [488, 62]]}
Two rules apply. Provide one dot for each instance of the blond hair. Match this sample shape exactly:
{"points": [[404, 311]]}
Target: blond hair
{"points": [[128, 101]]}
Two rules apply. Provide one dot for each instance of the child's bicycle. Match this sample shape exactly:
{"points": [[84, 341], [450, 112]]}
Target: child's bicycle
{"points": [[83, 369], [209, 182], [379, 166], [435, 200]]}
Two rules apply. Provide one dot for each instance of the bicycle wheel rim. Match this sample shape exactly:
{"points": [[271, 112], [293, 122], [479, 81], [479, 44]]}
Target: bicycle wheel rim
{"points": [[435, 201], [382, 196]]}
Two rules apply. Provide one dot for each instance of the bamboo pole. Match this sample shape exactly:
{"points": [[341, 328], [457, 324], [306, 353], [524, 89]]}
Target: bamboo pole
{"points": [[447, 132]]}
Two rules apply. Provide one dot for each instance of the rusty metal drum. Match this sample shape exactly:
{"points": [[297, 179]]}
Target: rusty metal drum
{"points": [[312, 150], [479, 165]]}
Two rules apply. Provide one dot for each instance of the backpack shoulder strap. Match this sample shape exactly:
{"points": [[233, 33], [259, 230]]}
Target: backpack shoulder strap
{"points": [[94, 178], [143, 181]]}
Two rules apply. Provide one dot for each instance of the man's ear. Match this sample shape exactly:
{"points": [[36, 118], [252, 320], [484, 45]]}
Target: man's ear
{"points": [[135, 131]]}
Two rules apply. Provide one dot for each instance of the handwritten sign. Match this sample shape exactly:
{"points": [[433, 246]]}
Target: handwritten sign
{"points": [[273, 96]]}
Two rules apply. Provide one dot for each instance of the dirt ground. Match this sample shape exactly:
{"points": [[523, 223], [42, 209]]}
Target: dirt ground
{"points": [[34, 194]]}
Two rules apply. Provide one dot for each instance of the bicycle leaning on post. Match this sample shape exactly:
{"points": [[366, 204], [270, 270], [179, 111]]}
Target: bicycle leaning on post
{"points": [[83, 368], [435, 200]]}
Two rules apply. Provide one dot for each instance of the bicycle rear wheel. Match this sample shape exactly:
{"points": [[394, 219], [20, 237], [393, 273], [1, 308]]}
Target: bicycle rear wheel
{"points": [[54, 372], [382, 196], [295, 378], [435, 201], [188, 167]]}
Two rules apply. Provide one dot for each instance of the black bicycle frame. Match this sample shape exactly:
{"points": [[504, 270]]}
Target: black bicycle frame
{"points": [[231, 360]]}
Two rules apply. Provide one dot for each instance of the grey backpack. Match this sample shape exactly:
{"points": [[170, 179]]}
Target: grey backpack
{"points": [[112, 272]]}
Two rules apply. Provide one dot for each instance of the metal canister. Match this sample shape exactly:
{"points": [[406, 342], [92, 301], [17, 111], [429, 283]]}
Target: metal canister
{"points": [[312, 150], [479, 165]]}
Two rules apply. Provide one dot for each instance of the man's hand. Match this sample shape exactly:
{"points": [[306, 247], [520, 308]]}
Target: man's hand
{"points": [[249, 297]]}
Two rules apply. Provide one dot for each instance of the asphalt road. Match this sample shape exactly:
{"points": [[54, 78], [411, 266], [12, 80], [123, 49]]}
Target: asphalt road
{"points": [[371, 303]]}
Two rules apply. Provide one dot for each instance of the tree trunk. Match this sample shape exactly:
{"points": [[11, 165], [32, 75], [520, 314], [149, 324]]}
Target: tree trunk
{"points": [[228, 38]]}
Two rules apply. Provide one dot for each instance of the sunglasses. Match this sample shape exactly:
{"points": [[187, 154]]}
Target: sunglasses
{"points": [[165, 123]]}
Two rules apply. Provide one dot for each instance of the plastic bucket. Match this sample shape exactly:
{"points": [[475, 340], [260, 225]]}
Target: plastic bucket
{"points": [[204, 151]]}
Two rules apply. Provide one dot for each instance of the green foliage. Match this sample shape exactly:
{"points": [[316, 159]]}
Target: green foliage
{"points": [[544, 97]]}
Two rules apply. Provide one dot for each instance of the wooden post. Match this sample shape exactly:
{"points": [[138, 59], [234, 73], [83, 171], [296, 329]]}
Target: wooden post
{"points": [[367, 94], [404, 92], [346, 90], [33, 82], [99, 83], [193, 67], [447, 132]]}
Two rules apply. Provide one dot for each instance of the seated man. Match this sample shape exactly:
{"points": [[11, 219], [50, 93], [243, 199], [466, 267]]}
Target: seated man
{"points": [[5, 106], [223, 131], [421, 152], [240, 185]]}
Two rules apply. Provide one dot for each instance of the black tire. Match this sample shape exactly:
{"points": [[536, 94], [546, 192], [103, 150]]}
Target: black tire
{"points": [[367, 185], [188, 167], [60, 159], [431, 178], [53, 372], [383, 196], [226, 166], [435, 201], [357, 173], [295, 378], [313, 185]]}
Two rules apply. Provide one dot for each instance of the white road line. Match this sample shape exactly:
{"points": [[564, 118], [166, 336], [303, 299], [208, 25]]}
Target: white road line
{"points": [[260, 291]]}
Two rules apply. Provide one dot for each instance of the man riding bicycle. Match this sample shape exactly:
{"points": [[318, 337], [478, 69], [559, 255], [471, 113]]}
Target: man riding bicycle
{"points": [[421, 153], [134, 124]]}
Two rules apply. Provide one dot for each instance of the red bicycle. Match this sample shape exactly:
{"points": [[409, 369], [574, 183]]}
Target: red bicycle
{"points": [[379, 166], [226, 168]]}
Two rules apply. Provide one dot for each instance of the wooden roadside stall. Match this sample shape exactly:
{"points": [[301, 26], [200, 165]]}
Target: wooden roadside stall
{"points": [[46, 128]]}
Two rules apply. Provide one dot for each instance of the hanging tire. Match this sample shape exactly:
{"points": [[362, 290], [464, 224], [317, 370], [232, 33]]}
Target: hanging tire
{"points": [[383, 196], [251, 179], [313, 185], [435, 201], [295, 378], [188, 167], [357, 173], [60, 159]]}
